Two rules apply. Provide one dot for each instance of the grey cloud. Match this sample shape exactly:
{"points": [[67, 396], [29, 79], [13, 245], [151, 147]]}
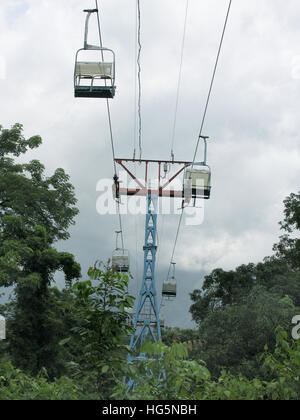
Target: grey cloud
{"points": [[252, 119]]}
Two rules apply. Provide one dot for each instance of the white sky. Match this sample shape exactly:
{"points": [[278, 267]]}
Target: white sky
{"points": [[253, 119]]}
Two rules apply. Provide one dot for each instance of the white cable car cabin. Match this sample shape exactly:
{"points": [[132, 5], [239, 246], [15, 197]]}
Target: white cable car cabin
{"points": [[120, 260], [94, 77], [169, 288], [197, 183]]}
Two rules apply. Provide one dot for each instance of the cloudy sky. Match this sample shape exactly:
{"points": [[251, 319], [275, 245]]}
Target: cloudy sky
{"points": [[253, 120]]}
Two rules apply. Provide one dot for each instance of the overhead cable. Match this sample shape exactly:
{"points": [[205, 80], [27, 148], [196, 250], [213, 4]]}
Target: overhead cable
{"points": [[110, 127], [212, 82], [139, 75], [202, 122], [179, 80]]}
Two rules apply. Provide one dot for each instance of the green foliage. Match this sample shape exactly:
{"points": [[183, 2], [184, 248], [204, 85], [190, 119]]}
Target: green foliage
{"points": [[288, 249], [33, 337], [164, 375], [173, 377], [234, 337], [16, 385], [237, 311], [291, 220], [27, 193], [79, 334], [284, 366], [102, 322], [167, 374], [13, 142], [222, 289], [178, 335], [35, 211], [26, 252]]}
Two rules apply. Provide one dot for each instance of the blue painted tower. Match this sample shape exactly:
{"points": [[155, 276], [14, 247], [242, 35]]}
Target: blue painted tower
{"points": [[146, 322]]}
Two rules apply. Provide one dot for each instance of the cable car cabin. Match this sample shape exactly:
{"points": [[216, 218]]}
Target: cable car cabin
{"points": [[120, 260], [197, 183], [94, 79], [169, 288]]}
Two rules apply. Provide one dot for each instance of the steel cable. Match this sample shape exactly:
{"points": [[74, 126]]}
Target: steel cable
{"points": [[202, 122], [110, 127]]}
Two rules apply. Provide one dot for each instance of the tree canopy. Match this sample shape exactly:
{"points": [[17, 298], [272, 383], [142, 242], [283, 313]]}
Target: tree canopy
{"points": [[35, 211], [26, 192], [237, 311]]}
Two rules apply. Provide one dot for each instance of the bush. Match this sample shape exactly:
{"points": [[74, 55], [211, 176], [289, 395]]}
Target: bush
{"points": [[16, 385], [167, 375]]}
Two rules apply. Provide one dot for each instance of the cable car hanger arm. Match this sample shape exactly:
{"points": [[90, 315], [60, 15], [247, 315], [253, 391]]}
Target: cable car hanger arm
{"points": [[86, 32]]}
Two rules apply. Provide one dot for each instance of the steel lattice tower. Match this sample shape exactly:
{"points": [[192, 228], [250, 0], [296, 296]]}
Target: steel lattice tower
{"points": [[146, 322]]}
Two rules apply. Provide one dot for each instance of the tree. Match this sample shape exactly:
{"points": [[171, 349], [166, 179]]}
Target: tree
{"points": [[225, 288], [191, 380], [221, 289], [35, 212], [26, 192], [101, 308], [237, 311], [288, 248], [233, 337], [16, 385]]}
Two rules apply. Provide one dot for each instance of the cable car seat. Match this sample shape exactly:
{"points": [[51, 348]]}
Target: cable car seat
{"points": [[95, 71]]}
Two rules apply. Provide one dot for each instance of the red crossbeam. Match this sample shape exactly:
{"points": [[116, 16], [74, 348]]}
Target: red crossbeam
{"points": [[142, 189]]}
